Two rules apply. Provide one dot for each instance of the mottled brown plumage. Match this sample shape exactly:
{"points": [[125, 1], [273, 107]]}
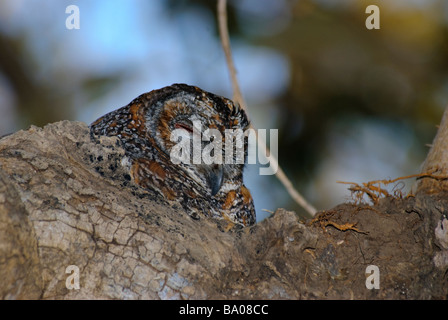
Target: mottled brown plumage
{"points": [[145, 127]]}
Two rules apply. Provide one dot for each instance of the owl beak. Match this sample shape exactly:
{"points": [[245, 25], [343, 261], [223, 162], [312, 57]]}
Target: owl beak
{"points": [[215, 178]]}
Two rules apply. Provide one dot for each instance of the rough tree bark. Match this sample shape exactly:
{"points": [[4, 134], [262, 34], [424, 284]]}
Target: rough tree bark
{"points": [[65, 200]]}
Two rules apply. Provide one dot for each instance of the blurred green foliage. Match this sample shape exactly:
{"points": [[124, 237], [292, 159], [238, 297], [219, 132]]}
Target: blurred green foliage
{"points": [[342, 73]]}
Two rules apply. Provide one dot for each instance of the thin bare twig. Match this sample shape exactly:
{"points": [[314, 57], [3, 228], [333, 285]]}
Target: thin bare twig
{"points": [[225, 40], [238, 98]]}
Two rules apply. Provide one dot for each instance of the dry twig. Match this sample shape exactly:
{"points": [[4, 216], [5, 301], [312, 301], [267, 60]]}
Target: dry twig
{"points": [[238, 98], [373, 188], [324, 220]]}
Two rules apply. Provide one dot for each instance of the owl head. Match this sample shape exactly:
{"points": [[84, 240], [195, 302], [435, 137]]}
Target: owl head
{"points": [[200, 132]]}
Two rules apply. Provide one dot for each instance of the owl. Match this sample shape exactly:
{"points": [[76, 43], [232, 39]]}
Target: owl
{"points": [[155, 126]]}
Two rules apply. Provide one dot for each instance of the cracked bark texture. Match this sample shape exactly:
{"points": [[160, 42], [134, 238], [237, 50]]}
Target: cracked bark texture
{"points": [[65, 200]]}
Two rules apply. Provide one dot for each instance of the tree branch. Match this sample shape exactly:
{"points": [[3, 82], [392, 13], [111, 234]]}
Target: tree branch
{"points": [[436, 161], [66, 200]]}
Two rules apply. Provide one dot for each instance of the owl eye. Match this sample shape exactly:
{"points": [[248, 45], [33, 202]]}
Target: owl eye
{"points": [[181, 125]]}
